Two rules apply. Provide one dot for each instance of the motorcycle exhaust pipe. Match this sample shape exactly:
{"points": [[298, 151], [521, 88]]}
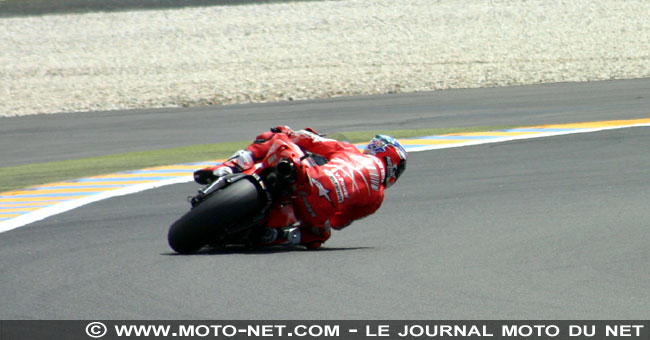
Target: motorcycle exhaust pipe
{"points": [[286, 171]]}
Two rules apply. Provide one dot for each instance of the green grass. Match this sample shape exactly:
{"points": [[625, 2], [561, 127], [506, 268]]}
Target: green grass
{"points": [[22, 176], [15, 177]]}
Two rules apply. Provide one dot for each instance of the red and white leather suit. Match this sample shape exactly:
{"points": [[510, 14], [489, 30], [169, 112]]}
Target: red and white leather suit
{"points": [[348, 187]]}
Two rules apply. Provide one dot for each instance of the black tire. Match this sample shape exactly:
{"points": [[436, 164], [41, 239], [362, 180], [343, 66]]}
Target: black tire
{"points": [[223, 208]]}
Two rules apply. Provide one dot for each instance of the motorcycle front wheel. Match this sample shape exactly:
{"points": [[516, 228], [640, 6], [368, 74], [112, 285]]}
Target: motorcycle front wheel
{"points": [[223, 208]]}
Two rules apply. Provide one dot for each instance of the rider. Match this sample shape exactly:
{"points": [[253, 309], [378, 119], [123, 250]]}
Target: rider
{"points": [[348, 186]]}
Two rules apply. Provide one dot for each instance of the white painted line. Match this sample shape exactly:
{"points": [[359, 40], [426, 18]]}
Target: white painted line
{"points": [[511, 138], [72, 204]]}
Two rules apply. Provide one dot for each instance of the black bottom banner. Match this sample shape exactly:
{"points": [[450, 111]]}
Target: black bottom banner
{"points": [[344, 329]]}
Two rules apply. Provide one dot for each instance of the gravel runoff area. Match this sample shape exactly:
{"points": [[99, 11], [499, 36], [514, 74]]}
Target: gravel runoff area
{"points": [[301, 50]]}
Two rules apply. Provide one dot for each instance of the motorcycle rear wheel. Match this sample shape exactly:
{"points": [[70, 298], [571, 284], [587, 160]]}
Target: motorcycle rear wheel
{"points": [[223, 208]]}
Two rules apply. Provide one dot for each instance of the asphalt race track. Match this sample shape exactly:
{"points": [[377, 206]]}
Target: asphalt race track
{"points": [[550, 228], [78, 135]]}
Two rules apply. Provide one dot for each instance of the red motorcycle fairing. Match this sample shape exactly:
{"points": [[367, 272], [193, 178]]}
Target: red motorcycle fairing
{"points": [[283, 166], [281, 213], [281, 216], [269, 187]]}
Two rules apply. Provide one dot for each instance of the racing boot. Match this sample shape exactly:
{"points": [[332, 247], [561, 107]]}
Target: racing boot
{"points": [[210, 174]]}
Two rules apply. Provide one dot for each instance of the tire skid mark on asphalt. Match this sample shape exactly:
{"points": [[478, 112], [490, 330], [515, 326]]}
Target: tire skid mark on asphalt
{"points": [[24, 206]]}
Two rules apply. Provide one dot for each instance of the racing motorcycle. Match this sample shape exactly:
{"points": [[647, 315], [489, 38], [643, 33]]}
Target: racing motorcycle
{"points": [[243, 208]]}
